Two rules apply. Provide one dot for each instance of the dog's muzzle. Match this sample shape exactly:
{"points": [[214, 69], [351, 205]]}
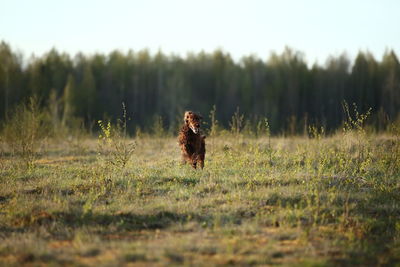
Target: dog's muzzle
{"points": [[195, 130]]}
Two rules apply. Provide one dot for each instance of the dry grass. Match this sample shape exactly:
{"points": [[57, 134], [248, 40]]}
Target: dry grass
{"points": [[320, 201]]}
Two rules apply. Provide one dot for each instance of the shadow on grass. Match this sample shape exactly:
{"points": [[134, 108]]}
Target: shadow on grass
{"points": [[121, 222], [270, 183], [186, 181], [380, 227], [127, 221], [105, 223]]}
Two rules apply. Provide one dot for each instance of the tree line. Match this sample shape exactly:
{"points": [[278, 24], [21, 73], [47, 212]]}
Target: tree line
{"points": [[154, 87]]}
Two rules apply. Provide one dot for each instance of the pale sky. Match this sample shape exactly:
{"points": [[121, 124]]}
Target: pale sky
{"points": [[319, 28]]}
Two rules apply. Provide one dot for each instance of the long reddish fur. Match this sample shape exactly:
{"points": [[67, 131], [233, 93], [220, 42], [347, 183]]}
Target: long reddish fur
{"points": [[193, 148]]}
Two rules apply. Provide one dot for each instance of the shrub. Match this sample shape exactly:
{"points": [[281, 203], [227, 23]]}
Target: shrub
{"points": [[113, 142], [236, 123], [214, 127], [25, 129]]}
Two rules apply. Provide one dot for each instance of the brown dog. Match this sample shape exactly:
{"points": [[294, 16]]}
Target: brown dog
{"points": [[192, 144]]}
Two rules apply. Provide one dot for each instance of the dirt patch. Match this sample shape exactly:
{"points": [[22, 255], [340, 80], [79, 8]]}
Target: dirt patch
{"points": [[60, 244]]}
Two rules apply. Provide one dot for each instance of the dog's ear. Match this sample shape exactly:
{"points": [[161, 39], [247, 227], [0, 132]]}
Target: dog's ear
{"points": [[186, 116]]}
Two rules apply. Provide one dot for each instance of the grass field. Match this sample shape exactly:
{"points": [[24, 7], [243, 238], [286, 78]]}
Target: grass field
{"points": [[318, 201]]}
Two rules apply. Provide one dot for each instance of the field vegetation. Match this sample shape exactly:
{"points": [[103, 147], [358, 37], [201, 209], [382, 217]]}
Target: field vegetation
{"points": [[316, 199]]}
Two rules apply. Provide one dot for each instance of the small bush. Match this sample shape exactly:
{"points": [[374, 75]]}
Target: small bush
{"points": [[214, 127], [25, 129], [113, 142], [236, 123]]}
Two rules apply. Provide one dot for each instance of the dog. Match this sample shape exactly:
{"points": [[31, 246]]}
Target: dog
{"points": [[191, 142]]}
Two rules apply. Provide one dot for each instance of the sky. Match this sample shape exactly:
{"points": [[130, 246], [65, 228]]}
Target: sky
{"points": [[317, 28]]}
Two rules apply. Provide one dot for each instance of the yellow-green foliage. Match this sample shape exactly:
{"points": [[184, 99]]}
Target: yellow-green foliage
{"points": [[113, 144], [236, 124], [214, 127], [24, 130]]}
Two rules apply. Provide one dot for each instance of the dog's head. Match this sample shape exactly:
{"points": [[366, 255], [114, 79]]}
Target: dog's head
{"points": [[192, 120]]}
